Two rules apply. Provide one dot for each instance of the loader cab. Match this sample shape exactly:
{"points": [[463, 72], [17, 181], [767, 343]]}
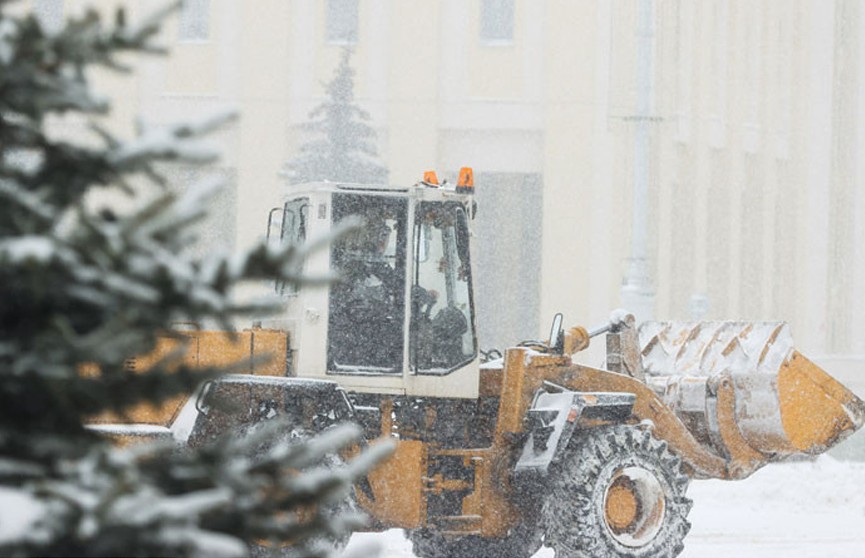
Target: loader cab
{"points": [[400, 317]]}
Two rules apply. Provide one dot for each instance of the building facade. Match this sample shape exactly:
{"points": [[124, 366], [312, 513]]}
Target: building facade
{"points": [[752, 127]]}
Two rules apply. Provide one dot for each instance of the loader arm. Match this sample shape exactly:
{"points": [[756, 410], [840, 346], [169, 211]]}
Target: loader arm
{"points": [[816, 410], [525, 372], [758, 402], [647, 406]]}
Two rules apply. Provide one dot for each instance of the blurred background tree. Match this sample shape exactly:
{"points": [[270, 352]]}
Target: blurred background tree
{"points": [[344, 149], [83, 287]]}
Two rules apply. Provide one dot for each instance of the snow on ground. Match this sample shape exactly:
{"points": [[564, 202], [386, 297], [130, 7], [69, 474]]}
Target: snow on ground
{"points": [[813, 509]]}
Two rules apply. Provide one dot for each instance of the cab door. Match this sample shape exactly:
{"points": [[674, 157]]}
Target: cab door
{"points": [[366, 321], [442, 333]]}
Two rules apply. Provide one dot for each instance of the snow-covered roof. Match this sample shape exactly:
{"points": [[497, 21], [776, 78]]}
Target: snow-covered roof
{"points": [[382, 189], [312, 187]]}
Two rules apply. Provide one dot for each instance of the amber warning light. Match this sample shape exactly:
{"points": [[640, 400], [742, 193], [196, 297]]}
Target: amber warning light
{"points": [[430, 178], [466, 182]]}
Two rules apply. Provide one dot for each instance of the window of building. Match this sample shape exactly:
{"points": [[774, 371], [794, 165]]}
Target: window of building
{"points": [[49, 13], [497, 21], [194, 20], [342, 21], [507, 319]]}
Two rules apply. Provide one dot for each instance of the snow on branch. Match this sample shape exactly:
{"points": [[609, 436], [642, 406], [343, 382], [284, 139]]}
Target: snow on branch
{"points": [[171, 143]]}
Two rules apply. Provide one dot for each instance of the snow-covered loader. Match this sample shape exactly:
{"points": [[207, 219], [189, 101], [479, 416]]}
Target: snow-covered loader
{"points": [[498, 458]]}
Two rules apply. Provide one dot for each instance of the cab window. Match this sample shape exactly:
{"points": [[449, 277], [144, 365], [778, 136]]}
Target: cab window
{"points": [[287, 225], [367, 303], [442, 335]]}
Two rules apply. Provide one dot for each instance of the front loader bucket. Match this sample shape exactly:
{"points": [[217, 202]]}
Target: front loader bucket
{"points": [[780, 402], [816, 410]]}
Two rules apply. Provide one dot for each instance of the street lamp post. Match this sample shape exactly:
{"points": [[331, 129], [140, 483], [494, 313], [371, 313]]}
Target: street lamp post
{"points": [[637, 293]]}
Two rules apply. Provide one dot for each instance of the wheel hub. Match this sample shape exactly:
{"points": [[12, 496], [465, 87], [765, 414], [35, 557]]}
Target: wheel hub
{"points": [[634, 507], [621, 507]]}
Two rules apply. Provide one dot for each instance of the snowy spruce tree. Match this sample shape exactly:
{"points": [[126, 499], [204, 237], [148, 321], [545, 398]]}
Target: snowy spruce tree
{"points": [[344, 147], [82, 289]]}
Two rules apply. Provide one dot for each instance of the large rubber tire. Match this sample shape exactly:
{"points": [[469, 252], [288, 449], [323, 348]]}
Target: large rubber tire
{"points": [[617, 493], [521, 542]]}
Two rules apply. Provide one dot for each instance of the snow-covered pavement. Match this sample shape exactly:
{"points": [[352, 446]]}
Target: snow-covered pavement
{"points": [[792, 510], [796, 510]]}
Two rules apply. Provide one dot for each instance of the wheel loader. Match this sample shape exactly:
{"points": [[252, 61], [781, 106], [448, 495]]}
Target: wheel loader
{"points": [[498, 456]]}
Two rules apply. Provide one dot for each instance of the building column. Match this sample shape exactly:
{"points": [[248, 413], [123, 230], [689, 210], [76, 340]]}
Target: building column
{"points": [[857, 312], [820, 37]]}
